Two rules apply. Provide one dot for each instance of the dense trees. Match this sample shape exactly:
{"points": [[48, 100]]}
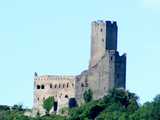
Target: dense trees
{"points": [[117, 105]]}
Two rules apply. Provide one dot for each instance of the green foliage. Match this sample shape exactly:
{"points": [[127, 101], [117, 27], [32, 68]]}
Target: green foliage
{"points": [[48, 104], [18, 107], [4, 107], [157, 98], [88, 94], [52, 117], [117, 105]]}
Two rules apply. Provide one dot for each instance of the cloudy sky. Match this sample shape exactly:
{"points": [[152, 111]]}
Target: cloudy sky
{"points": [[53, 37]]}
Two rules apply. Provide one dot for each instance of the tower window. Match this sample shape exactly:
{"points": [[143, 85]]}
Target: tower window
{"points": [[82, 85], [101, 30], [59, 85], [55, 86], [111, 58], [118, 76], [42, 86]]}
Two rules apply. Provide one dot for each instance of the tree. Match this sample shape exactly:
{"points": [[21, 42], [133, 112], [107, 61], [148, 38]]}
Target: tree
{"points": [[157, 98], [4, 107], [18, 107], [88, 95], [48, 104]]}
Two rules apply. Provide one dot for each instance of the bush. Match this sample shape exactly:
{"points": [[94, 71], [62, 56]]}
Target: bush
{"points": [[87, 96], [48, 104]]}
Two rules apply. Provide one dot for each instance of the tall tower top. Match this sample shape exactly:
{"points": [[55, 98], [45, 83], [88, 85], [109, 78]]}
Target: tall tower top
{"points": [[103, 38]]}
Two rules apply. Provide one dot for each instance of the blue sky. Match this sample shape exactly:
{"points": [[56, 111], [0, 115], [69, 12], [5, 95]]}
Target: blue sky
{"points": [[53, 37]]}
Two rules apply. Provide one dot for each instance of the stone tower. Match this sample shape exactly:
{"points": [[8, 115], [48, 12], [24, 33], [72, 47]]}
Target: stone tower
{"points": [[107, 69], [103, 37]]}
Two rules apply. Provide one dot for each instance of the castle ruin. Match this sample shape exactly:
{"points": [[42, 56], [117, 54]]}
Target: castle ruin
{"points": [[107, 70]]}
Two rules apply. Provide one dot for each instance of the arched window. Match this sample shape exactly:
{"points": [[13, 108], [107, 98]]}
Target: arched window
{"points": [[43, 98], [50, 85], [59, 85], [67, 85], [38, 86], [66, 96], [42, 86], [63, 85], [55, 86], [38, 98]]}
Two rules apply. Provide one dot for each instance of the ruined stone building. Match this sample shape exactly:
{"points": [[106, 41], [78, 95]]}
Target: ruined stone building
{"points": [[107, 69]]}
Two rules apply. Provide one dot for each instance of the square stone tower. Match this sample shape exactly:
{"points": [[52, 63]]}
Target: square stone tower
{"points": [[107, 69], [103, 37]]}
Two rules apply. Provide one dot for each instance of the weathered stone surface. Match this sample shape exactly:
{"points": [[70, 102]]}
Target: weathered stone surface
{"points": [[107, 69], [60, 87]]}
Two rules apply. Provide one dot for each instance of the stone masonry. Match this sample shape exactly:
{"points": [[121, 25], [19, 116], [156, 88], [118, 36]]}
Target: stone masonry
{"points": [[107, 69]]}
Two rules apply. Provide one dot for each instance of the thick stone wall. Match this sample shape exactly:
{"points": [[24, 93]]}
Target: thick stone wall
{"points": [[109, 72]]}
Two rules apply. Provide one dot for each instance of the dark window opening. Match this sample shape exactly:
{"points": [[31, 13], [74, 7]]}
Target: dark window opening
{"points": [[67, 85], [111, 58], [43, 98], [82, 85], [38, 113], [66, 96], [55, 86], [55, 106], [103, 39], [63, 85], [72, 85], [101, 30], [118, 76], [38, 98], [42, 86], [59, 85], [38, 86], [50, 85]]}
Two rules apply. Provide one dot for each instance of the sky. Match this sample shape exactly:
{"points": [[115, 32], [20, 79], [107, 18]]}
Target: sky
{"points": [[53, 37]]}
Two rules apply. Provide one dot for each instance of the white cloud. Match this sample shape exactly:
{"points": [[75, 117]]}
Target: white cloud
{"points": [[152, 4]]}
